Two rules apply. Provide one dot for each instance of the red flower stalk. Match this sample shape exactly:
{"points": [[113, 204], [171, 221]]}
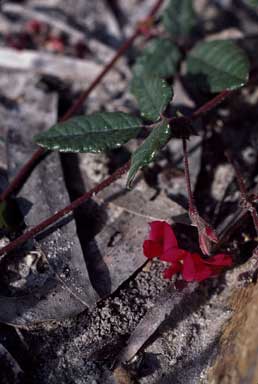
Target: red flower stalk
{"points": [[162, 243], [207, 234]]}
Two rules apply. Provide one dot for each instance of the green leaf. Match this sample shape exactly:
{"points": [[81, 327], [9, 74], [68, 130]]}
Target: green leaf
{"points": [[217, 65], [252, 3], [160, 58], [153, 95], [179, 18], [98, 132], [147, 152]]}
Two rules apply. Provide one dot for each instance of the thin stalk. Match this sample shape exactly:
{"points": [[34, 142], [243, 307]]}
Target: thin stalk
{"points": [[205, 108], [248, 203], [211, 104], [63, 212], [25, 170], [191, 203]]}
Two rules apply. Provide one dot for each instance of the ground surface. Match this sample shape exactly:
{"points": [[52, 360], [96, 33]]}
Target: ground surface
{"points": [[77, 301]]}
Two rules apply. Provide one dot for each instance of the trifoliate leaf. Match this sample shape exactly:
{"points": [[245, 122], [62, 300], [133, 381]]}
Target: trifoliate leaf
{"points": [[217, 65], [179, 18], [147, 152], [98, 132], [153, 95], [159, 58]]}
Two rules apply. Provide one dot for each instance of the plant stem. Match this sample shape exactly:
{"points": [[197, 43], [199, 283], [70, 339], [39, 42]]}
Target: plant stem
{"points": [[63, 212], [25, 170], [205, 108], [211, 104], [191, 202], [247, 201]]}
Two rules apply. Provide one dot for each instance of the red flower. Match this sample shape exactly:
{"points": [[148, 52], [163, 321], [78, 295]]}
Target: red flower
{"points": [[163, 244], [197, 269]]}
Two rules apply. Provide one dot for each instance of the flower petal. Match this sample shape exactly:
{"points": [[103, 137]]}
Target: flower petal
{"points": [[170, 240], [161, 231], [163, 241], [173, 255], [195, 269], [220, 260], [198, 269], [156, 230], [152, 249]]}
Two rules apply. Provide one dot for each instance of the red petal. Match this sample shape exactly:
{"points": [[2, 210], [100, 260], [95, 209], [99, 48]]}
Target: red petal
{"points": [[194, 268], [152, 249], [220, 260], [173, 255], [174, 268], [156, 230], [170, 240], [161, 233]]}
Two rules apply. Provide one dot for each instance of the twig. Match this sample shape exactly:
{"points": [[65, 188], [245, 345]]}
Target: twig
{"points": [[63, 212], [211, 104], [28, 167], [191, 203], [247, 202]]}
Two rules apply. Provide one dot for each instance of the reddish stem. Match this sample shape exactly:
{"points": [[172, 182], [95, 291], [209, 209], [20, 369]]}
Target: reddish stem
{"points": [[63, 212], [25, 170], [211, 104], [205, 108], [192, 208], [248, 203]]}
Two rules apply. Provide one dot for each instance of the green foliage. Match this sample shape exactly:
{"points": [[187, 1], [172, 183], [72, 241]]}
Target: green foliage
{"points": [[159, 58], [217, 65], [147, 152], [153, 95], [98, 132], [252, 3], [179, 18]]}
